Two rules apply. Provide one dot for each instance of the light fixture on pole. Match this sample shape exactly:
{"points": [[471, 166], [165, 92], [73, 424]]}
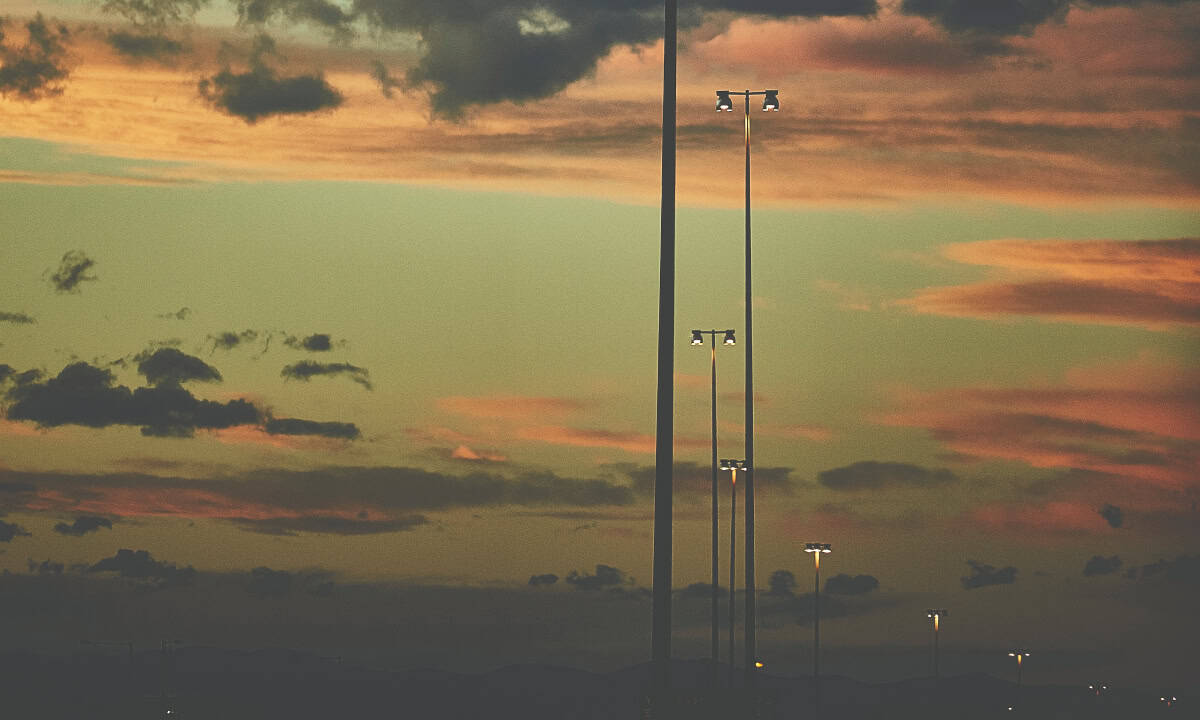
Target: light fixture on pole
{"points": [[935, 616], [698, 339], [817, 550], [725, 103], [1020, 654], [733, 466]]}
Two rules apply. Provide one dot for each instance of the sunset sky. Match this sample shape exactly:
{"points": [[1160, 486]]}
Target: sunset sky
{"points": [[351, 307]]}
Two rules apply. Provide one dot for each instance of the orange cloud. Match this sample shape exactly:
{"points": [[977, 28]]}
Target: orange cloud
{"points": [[1153, 284], [462, 452], [1137, 433]]}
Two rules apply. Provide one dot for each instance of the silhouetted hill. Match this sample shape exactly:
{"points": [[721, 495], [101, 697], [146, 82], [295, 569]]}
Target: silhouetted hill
{"points": [[199, 682]]}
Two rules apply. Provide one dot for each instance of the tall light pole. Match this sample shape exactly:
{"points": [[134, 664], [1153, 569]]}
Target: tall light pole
{"points": [[817, 550], [733, 466], [770, 103], [660, 641], [935, 616], [698, 339]]}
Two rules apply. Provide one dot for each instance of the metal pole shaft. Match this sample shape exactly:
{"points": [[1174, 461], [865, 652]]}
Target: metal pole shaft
{"points": [[732, 577], [936, 670], [750, 584], [817, 632], [715, 550], [664, 435]]}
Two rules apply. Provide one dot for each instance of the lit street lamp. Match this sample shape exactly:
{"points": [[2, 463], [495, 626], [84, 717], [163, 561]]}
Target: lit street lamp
{"points": [[1020, 654], [698, 339], [733, 466], [935, 616], [770, 103], [817, 550]]}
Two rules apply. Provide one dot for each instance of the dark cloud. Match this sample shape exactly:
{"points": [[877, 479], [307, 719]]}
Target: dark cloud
{"points": [[265, 582], [154, 13], [1183, 570], [180, 314], [83, 525], [843, 584], [85, 395], [228, 340], [997, 17], [138, 565], [72, 270], [317, 342], [983, 575], [320, 13], [37, 69], [692, 478], [1099, 565], [329, 525], [871, 475], [168, 366], [387, 83], [509, 50], [391, 492], [45, 567], [144, 46], [606, 577], [544, 579], [8, 531], [1112, 514], [260, 92], [307, 369], [296, 426], [16, 318]]}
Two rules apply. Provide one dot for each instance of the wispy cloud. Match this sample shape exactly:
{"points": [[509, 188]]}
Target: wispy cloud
{"points": [[305, 370], [1153, 284], [343, 500], [1141, 426]]}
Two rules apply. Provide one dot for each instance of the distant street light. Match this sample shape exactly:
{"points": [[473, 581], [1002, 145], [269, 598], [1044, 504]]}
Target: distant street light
{"points": [[1098, 689], [770, 103], [935, 616], [698, 339], [817, 550], [1020, 654], [733, 466]]}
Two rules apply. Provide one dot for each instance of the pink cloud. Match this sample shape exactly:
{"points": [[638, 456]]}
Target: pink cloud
{"points": [[1144, 434], [1153, 284]]}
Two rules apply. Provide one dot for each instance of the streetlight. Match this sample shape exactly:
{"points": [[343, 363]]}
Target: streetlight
{"points": [[733, 466], [698, 339], [770, 103], [817, 550], [1020, 654], [935, 616]]}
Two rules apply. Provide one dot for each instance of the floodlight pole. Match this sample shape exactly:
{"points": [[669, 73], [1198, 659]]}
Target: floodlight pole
{"points": [[770, 102], [664, 432]]}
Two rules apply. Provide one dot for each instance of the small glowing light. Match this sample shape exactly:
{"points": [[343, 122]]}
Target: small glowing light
{"points": [[697, 337], [771, 101], [723, 101], [729, 338], [758, 664]]}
